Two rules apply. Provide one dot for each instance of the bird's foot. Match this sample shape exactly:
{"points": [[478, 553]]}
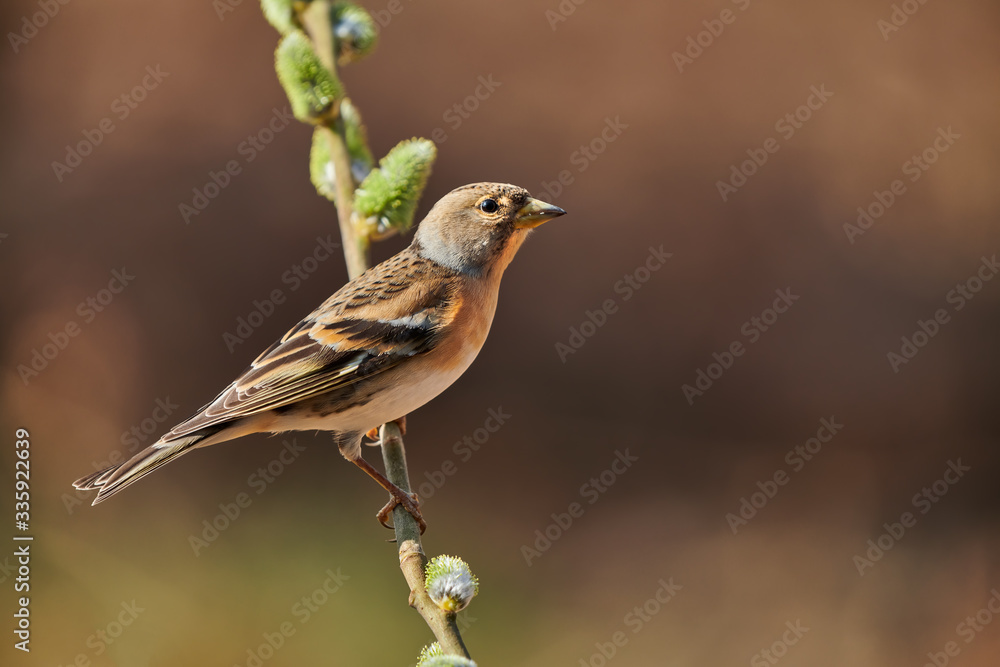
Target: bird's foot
{"points": [[410, 503], [396, 496]]}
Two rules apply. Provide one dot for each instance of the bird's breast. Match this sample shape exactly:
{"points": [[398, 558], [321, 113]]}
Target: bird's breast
{"points": [[413, 383]]}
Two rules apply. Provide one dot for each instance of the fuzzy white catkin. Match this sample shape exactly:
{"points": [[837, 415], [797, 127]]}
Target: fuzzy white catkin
{"points": [[452, 590], [448, 661]]}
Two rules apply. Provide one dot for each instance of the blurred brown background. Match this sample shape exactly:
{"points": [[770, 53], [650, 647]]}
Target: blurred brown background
{"points": [[655, 184]]}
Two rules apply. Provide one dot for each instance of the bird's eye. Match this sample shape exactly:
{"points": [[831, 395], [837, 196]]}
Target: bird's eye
{"points": [[489, 206]]}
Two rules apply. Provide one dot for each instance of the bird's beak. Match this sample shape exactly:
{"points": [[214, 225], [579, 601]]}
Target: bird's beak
{"points": [[535, 212]]}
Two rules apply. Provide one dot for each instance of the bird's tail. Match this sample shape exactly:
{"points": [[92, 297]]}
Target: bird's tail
{"points": [[110, 481]]}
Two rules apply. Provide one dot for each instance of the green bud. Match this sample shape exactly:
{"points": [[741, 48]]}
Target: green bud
{"points": [[354, 33], [321, 171], [450, 583], [386, 200], [280, 14], [311, 88]]}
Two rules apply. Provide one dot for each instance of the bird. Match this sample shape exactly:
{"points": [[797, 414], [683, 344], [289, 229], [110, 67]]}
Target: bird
{"points": [[382, 346]]}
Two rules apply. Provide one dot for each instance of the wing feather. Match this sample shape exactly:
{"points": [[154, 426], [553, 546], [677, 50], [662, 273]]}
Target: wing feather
{"points": [[373, 323]]}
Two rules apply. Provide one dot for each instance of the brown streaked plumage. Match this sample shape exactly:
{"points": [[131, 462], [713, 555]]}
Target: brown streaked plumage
{"points": [[383, 345]]}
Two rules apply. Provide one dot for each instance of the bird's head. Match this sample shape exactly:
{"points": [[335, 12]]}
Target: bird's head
{"points": [[477, 228]]}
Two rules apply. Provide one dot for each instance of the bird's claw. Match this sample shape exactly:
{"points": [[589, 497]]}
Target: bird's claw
{"points": [[410, 503]]}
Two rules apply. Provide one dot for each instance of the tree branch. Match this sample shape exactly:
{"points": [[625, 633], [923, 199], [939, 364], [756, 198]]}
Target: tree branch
{"points": [[412, 560], [355, 247], [316, 20]]}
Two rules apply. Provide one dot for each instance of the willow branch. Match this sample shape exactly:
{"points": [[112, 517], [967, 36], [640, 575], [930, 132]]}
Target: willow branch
{"points": [[316, 20], [355, 246], [412, 560]]}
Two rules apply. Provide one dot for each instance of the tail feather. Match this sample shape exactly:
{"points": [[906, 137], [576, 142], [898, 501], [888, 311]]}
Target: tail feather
{"points": [[110, 481], [94, 480]]}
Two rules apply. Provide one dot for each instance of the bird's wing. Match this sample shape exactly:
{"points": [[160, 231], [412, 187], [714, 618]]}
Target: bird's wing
{"points": [[390, 313]]}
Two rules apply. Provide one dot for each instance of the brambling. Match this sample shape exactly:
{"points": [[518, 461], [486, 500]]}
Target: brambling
{"points": [[383, 345]]}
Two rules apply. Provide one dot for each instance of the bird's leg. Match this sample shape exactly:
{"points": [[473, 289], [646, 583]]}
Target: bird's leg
{"points": [[397, 496]]}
